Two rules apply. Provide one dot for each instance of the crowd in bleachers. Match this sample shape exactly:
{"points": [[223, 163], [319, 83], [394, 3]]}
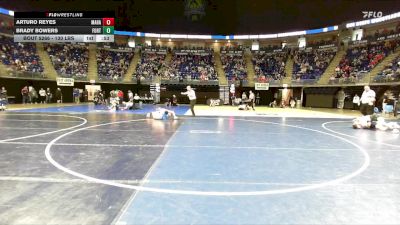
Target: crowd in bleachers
{"points": [[112, 65], [192, 66], [391, 72], [269, 66], [361, 59], [20, 56], [309, 65], [233, 63], [69, 60], [150, 65]]}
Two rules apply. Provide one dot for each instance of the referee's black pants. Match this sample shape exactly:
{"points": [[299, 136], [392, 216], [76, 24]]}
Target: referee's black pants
{"points": [[192, 103], [367, 109]]}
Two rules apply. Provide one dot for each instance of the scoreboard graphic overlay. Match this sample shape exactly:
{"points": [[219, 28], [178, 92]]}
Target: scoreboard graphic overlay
{"points": [[64, 26]]}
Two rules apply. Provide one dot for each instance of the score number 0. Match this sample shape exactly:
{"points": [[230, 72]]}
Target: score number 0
{"points": [[108, 21], [108, 25]]}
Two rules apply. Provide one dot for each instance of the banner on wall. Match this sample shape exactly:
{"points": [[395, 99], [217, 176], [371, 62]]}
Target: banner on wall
{"points": [[392, 36], [261, 86], [61, 81]]}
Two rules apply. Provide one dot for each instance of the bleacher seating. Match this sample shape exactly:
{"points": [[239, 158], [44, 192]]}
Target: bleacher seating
{"points": [[69, 60], [150, 65], [112, 65], [192, 66], [233, 63], [361, 59], [309, 65], [269, 65], [20, 56], [391, 73]]}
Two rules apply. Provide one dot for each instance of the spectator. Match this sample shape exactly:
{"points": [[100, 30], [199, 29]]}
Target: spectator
{"points": [[340, 97], [25, 94], [252, 99], [20, 56], [58, 95], [130, 95], [120, 95], [42, 96], [112, 65], [85, 95], [309, 65], [49, 96], [69, 60], [391, 72], [136, 100], [244, 96], [234, 66], [76, 95], [33, 95], [273, 104], [192, 65], [292, 103], [174, 100], [384, 101], [151, 65], [356, 102], [258, 98], [362, 59], [269, 66], [3, 95], [3, 92]]}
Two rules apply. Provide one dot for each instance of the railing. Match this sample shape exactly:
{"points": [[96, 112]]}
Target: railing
{"points": [[388, 78], [75, 77], [379, 79], [107, 79], [80, 78], [23, 74], [190, 82], [348, 80], [144, 81], [270, 81], [304, 81]]}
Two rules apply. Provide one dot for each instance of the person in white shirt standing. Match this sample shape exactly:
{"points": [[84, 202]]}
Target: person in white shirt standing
{"points": [[192, 98], [252, 99], [367, 101], [42, 96], [356, 102]]}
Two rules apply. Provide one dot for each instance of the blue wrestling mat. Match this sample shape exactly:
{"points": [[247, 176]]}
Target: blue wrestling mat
{"points": [[146, 108]]}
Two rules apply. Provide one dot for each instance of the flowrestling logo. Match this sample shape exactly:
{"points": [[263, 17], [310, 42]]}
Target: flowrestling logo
{"points": [[372, 14]]}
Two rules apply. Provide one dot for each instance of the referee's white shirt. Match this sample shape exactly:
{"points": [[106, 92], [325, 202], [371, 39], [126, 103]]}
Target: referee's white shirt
{"points": [[368, 97], [191, 94]]}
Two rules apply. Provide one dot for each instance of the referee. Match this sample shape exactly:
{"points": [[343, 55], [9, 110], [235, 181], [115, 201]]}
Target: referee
{"points": [[367, 101], [192, 98]]}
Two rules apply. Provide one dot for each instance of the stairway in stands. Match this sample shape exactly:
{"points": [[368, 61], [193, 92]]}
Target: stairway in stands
{"points": [[380, 66], [324, 79], [288, 71], [220, 70], [92, 68], [3, 69], [168, 58], [249, 67], [48, 68], [132, 66]]}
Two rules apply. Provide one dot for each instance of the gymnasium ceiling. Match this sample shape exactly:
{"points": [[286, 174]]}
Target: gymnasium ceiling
{"points": [[220, 16]]}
